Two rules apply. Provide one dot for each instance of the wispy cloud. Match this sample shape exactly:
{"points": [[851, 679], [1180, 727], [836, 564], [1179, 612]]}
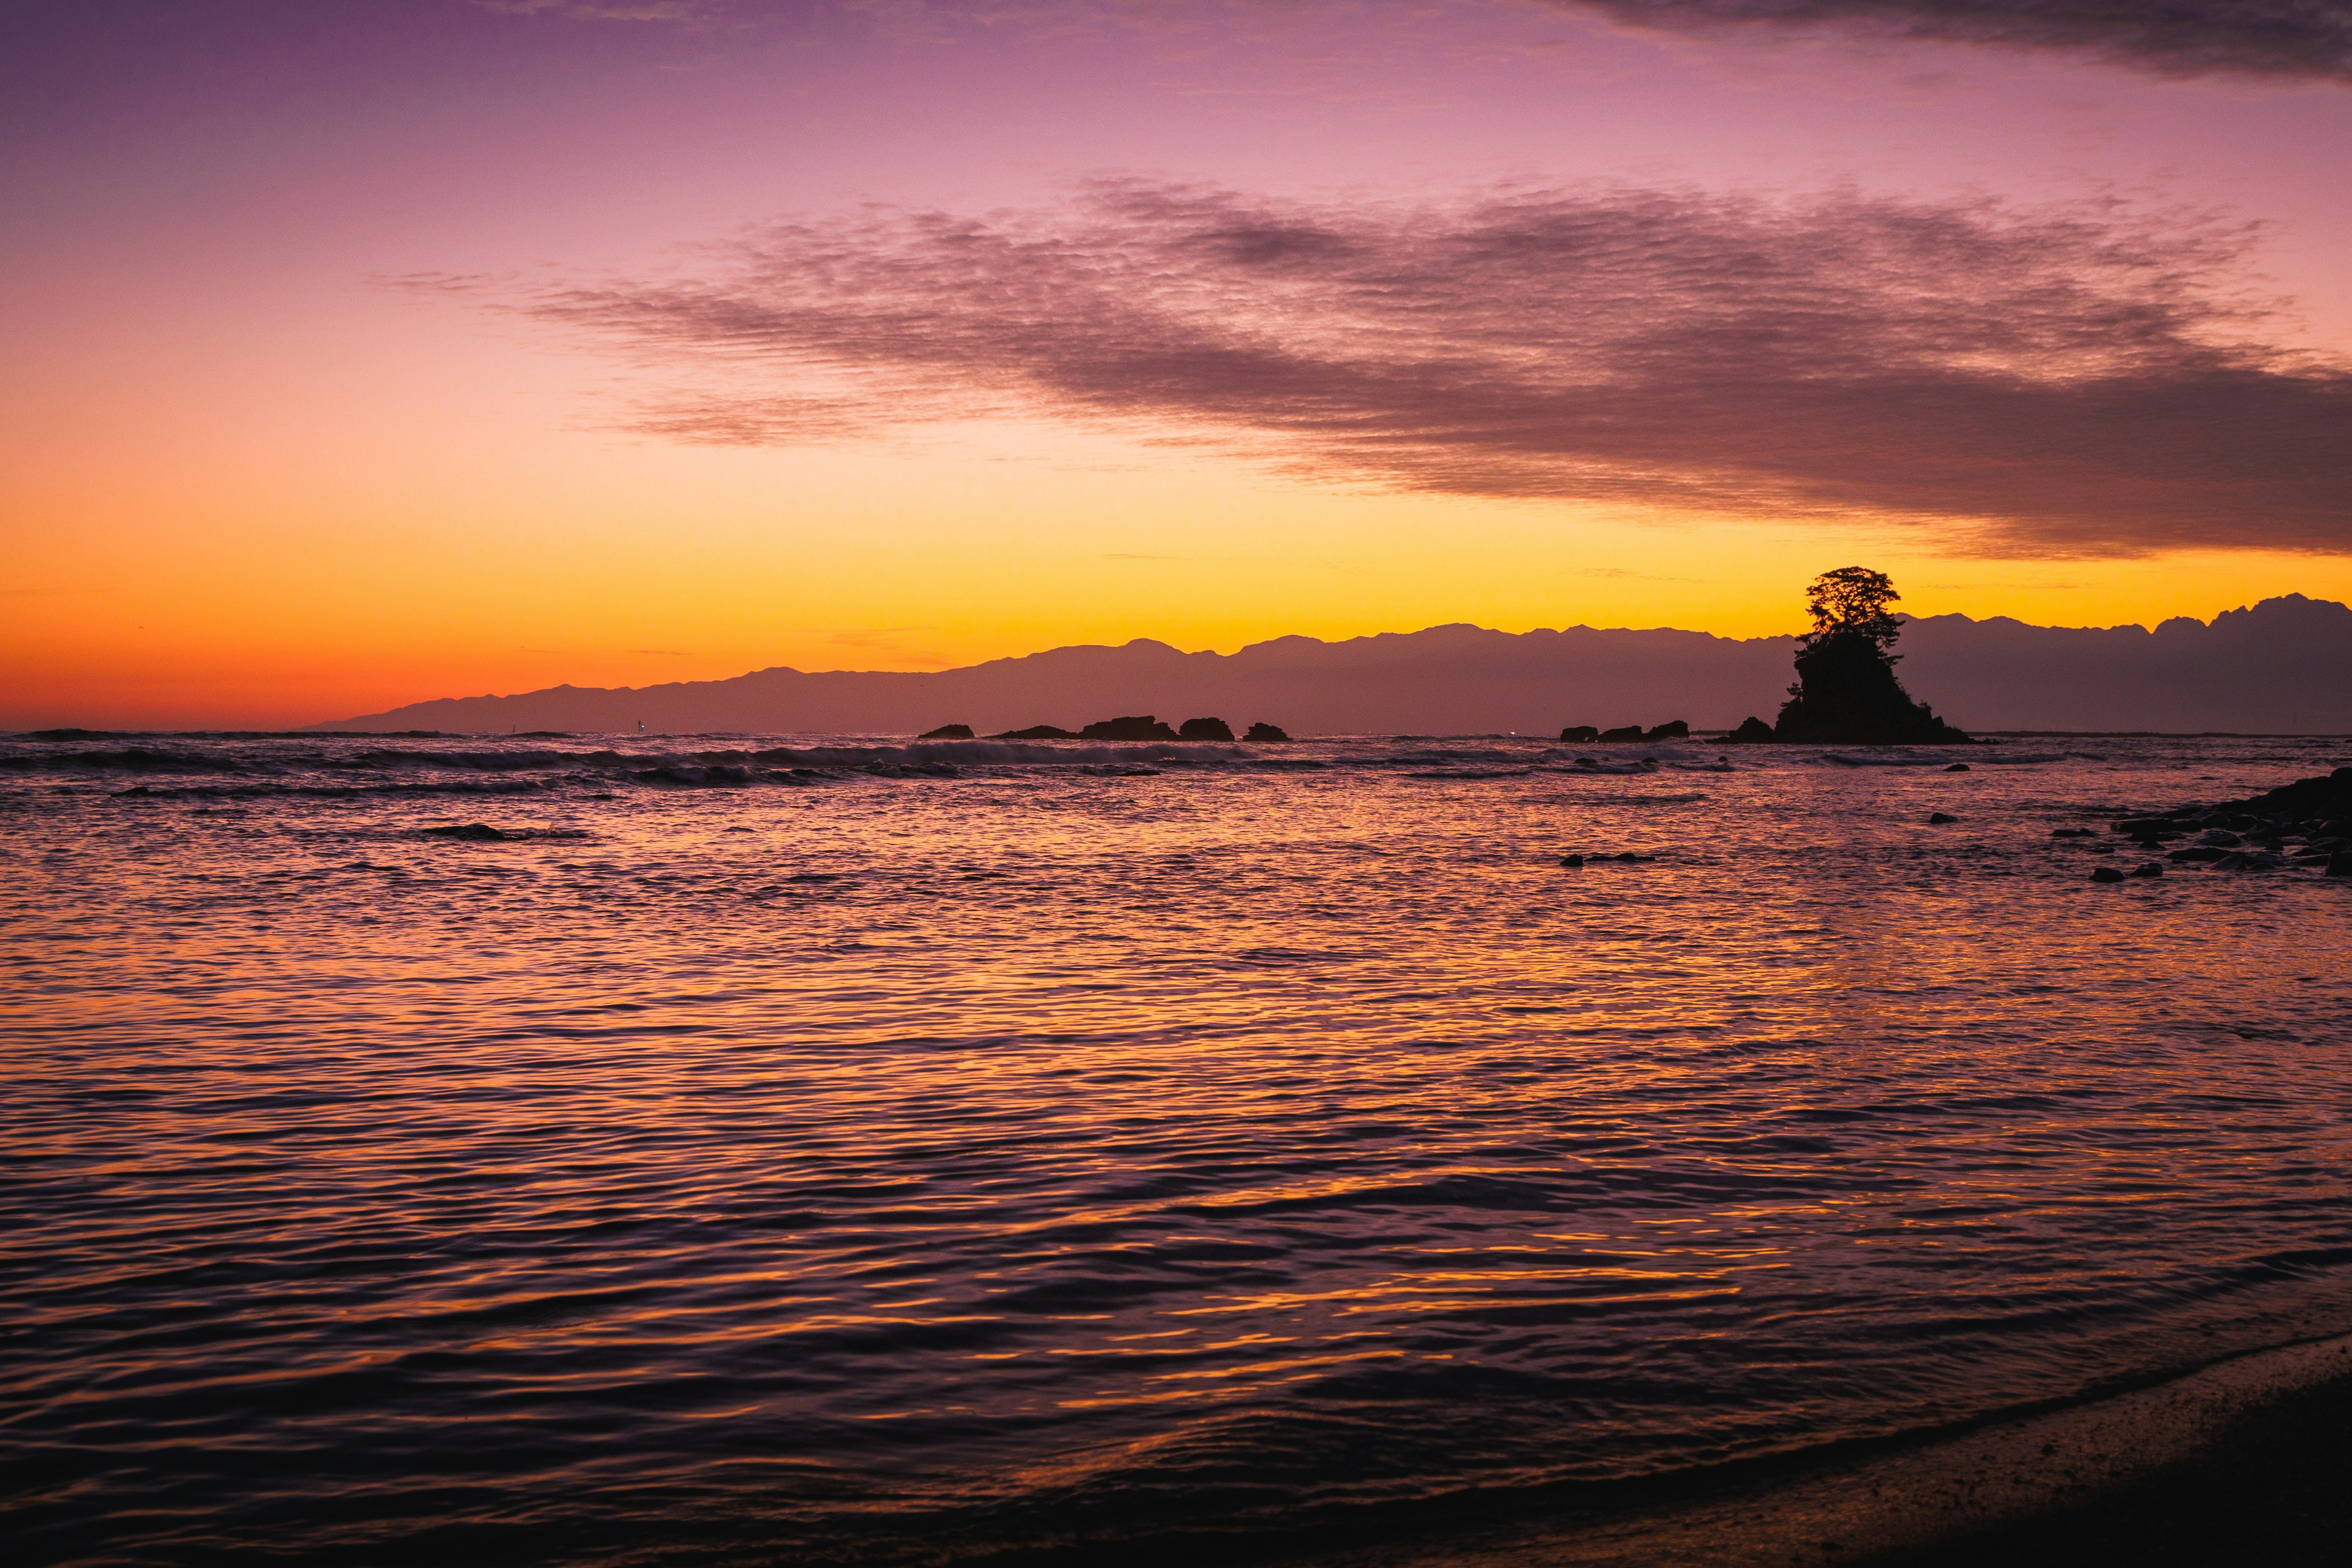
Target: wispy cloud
{"points": [[2079, 378], [2172, 37], [605, 10], [2275, 39]]}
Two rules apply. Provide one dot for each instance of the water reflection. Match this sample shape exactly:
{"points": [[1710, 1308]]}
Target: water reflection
{"points": [[951, 1163]]}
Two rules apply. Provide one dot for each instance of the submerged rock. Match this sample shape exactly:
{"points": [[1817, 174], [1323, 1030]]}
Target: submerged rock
{"points": [[471, 833], [947, 732], [1260, 734], [1941, 817], [2106, 874], [1958, 768], [1128, 727], [1204, 730], [2248, 860], [2150, 869]]}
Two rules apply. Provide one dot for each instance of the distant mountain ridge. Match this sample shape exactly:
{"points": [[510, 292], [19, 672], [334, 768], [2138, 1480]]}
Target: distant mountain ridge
{"points": [[2281, 667]]}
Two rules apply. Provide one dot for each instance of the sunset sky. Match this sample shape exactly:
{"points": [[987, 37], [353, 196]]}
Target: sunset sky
{"points": [[362, 354]]}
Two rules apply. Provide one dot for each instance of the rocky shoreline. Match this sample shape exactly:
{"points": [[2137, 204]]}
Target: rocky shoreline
{"points": [[2303, 825]]}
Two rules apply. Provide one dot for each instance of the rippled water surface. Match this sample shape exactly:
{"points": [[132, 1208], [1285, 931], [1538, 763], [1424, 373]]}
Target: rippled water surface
{"points": [[815, 1151]]}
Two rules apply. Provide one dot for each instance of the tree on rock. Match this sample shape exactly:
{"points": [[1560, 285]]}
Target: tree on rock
{"points": [[1845, 692]]}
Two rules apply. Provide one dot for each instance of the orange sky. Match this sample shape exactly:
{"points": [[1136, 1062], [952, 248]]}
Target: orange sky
{"points": [[247, 482]]}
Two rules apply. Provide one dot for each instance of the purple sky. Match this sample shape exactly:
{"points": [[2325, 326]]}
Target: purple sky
{"points": [[364, 353]]}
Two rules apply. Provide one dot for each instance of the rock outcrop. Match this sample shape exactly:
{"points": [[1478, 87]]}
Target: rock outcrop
{"points": [[1037, 732], [947, 732], [1128, 727], [1672, 729], [2307, 824], [1204, 730], [1846, 695], [1260, 734]]}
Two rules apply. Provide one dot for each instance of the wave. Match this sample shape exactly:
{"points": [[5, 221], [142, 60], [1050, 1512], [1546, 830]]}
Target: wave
{"points": [[328, 791]]}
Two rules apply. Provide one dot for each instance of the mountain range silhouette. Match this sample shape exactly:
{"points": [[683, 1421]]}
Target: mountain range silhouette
{"points": [[2281, 667]]}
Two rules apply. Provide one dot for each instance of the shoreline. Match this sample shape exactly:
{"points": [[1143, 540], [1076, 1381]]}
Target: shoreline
{"points": [[2247, 1456]]}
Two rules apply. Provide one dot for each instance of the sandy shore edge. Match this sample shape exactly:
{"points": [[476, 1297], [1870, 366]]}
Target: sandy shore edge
{"points": [[2009, 1479]]}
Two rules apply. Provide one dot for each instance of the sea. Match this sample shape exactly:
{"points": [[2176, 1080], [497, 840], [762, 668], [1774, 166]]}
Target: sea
{"points": [[854, 1151]]}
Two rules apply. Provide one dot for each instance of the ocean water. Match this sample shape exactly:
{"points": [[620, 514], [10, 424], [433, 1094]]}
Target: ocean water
{"points": [[781, 1149]]}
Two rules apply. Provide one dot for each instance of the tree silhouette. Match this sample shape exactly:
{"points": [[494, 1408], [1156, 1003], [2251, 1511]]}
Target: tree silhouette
{"points": [[1853, 600], [1845, 692]]}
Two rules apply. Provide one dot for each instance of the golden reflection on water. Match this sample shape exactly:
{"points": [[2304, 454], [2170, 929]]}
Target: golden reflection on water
{"points": [[977, 1160]]}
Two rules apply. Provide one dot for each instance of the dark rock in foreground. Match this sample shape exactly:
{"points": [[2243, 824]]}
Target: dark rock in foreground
{"points": [[1037, 732], [1204, 730], [1262, 733], [947, 732], [1128, 727], [1940, 817], [2252, 834]]}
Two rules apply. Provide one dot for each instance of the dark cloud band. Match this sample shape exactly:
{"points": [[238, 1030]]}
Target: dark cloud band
{"points": [[2279, 38], [2057, 379], [2174, 37]]}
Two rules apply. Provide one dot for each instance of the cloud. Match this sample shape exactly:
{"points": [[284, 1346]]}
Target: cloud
{"points": [[2178, 38], [2071, 379], [605, 10], [2171, 37]]}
